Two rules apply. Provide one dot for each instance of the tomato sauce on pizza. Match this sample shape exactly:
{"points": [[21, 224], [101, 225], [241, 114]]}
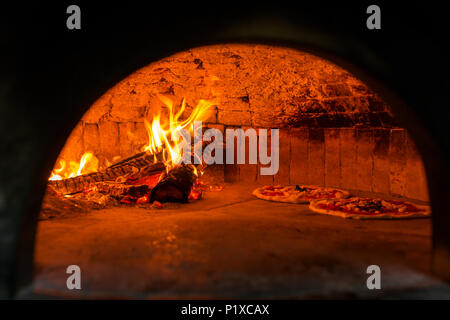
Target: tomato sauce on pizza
{"points": [[369, 208]]}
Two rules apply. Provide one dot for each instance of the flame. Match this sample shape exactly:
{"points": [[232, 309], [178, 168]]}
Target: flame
{"points": [[88, 163], [56, 172], [162, 137]]}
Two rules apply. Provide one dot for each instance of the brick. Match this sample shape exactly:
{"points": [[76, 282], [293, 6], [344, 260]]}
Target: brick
{"points": [[332, 161], [397, 162], [265, 179], [327, 120], [348, 158], [416, 180], [364, 159], [381, 170], [231, 171], [332, 105], [91, 138], [282, 177], [316, 157], [299, 156], [126, 130], [343, 119], [312, 106], [234, 117], [359, 88], [100, 108], [247, 171], [303, 122], [129, 102], [127, 112], [139, 137], [109, 139], [214, 174], [220, 127], [361, 119]]}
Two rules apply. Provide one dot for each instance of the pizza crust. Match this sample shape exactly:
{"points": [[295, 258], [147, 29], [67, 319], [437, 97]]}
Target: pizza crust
{"points": [[407, 215], [291, 199], [297, 197]]}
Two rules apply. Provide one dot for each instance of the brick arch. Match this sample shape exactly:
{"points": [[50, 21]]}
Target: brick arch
{"points": [[335, 130], [254, 85], [383, 61]]}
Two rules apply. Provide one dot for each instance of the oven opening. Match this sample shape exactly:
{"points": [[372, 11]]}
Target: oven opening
{"points": [[159, 178]]}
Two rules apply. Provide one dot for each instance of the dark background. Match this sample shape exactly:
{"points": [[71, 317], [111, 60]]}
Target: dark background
{"points": [[44, 64], [50, 75]]}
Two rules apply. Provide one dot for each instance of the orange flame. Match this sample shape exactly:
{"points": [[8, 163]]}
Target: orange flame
{"points": [[162, 137], [88, 163]]}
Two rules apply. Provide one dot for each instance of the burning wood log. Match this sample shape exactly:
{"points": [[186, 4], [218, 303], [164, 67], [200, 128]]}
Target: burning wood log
{"points": [[175, 186], [137, 165], [120, 189]]}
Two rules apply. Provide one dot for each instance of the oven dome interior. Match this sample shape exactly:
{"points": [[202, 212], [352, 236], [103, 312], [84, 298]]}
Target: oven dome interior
{"points": [[334, 131]]}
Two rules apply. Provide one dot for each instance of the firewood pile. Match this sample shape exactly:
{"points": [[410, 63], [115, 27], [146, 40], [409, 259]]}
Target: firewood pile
{"points": [[137, 166], [138, 180], [132, 179]]}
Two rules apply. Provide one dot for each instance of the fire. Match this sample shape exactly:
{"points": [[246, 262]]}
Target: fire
{"points": [[165, 137], [87, 164]]}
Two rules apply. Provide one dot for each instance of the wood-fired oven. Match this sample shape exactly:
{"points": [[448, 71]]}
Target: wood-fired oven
{"points": [[90, 134]]}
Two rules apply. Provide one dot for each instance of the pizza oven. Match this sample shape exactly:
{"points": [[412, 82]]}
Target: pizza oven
{"points": [[108, 196]]}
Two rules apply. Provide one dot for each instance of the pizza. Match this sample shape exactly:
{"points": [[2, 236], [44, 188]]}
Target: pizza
{"points": [[369, 208], [298, 194]]}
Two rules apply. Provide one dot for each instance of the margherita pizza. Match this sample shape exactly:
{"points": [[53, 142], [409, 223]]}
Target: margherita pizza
{"points": [[298, 194], [369, 208]]}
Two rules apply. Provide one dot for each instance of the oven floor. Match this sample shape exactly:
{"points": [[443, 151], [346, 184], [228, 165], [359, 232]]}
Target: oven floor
{"points": [[232, 245]]}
